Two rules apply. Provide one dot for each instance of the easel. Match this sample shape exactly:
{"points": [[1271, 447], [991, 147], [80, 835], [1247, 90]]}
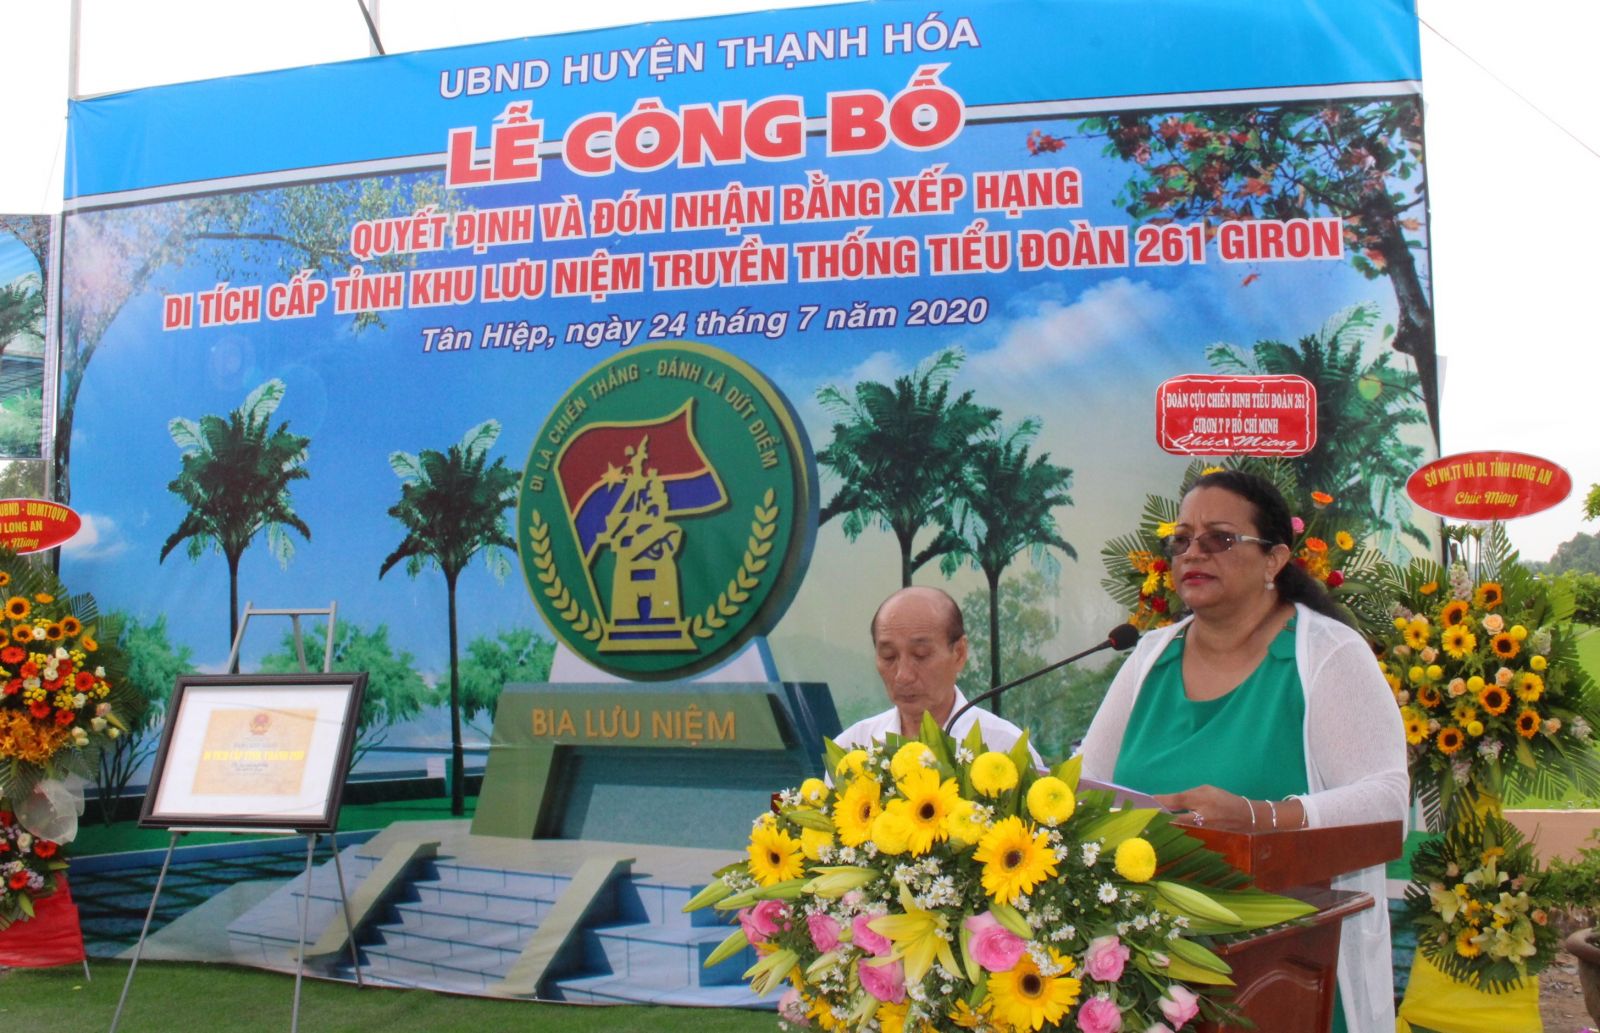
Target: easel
{"points": [[311, 836]]}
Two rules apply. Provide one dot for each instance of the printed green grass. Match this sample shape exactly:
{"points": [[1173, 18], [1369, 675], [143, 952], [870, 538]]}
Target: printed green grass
{"points": [[224, 999]]}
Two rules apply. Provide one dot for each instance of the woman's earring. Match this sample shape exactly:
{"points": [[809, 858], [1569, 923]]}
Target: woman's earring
{"points": [[1271, 584]]}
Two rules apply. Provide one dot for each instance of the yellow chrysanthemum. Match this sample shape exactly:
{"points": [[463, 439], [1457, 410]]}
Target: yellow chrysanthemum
{"points": [[1519, 632], [853, 764], [1014, 859], [1025, 999], [1343, 540], [964, 826], [1135, 860], [1050, 801], [813, 791], [892, 1017], [1166, 529], [909, 758], [1418, 632], [1538, 663], [1458, 642], [1474, 728], [856, 810], [812, 841], [993, 773], [774, 856], [891, 829], [1529, 687], [1475, 684], [1488, 595], [929, 801]]}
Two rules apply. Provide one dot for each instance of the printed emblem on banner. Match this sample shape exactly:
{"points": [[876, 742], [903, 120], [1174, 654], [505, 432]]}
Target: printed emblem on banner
{"points": [[667, 511]]}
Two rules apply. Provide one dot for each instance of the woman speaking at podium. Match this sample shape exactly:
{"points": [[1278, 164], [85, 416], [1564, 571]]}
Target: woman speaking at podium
{"points": [[1262, 710]]}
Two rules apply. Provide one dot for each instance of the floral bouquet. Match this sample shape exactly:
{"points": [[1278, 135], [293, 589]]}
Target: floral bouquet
{"points": [[1139, 574], [1476, 906], [63, 692], [28, 867], [1486, 674], [943, 886]]}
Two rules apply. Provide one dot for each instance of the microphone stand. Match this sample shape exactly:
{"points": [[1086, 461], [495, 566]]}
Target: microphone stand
{"points": [[1121, 637]]}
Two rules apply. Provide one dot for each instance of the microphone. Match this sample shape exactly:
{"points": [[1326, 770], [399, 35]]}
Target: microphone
{"points": [[1121, 637]]}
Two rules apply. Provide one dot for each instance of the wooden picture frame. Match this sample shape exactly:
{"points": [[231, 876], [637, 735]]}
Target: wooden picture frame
{"points": [[255, 751]]}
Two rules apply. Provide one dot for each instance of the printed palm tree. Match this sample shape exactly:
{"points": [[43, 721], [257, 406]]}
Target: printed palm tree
{"points": [[235, 479], [452, 505], [1006, 504], [900, 450], [1362, 407]]}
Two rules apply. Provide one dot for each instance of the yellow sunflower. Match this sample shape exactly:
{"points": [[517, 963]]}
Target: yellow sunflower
{"points": [[1343, 540], [1023, 998], [1458, 642], [1528, 723], [1504, 645], [1418, 632], [993, 773], [1050, 801], [892, 1017], [1416, 725], [1014, 859], [1488, 596], [1454, 612], [1451, 739], [774, 856], [5, 579], [1429, 588], [1464, 945], [1464, 713], [929, 802], [43, 597], [71, 626], [1495, 699], [1529, 687], [53, 632], [856, 810], [1428, 696], [18, 608]]}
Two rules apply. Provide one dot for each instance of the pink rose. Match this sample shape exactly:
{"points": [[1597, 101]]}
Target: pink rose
{"points": [[824, 931], [1297, 525], [1179, 1005], [1100, 1014], [761, 921], [1159, 1027], [1105, 958], [792, 1009], [863, 936], [993, 946], [885, 980]]}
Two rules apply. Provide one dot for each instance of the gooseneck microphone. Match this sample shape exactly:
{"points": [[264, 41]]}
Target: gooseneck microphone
{"points": [[1121, 637]]}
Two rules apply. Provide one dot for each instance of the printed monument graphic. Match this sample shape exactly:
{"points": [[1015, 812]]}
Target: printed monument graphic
{"points": [[667, 511]]}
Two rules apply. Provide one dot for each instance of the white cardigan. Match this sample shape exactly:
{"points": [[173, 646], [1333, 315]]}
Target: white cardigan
{"points": [[1355, 767]]}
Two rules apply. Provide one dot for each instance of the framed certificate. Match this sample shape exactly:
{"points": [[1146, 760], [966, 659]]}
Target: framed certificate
{"points": [[252, 751]]}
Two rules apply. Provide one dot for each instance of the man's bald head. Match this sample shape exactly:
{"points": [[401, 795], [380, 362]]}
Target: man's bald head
{"points": [[955, 625]]}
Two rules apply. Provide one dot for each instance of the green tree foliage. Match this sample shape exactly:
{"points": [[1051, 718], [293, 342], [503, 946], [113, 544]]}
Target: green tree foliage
{"points": [[1006, 504], [1585, 588], [154, 665], [1579, 553], [517, 655], [120, 253], [452, 505], [899, 451], [21, 309], [1362, 407], [1055, 708], [1359, 161], [395, 691], [235, 480]]}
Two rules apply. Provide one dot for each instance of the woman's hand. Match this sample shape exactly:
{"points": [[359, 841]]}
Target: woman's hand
{"points": [[1208, 805]]}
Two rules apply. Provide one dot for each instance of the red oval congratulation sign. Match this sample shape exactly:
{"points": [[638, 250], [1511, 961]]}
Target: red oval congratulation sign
{"points": [[33, 525], [1488, 485], [1217, 415]]}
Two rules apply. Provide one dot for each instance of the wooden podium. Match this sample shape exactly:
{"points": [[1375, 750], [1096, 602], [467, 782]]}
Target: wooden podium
{"points": [[1285, 977]]}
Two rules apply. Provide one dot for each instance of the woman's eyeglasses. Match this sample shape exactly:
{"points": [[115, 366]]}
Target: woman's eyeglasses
{"points": [[1211, 543]]}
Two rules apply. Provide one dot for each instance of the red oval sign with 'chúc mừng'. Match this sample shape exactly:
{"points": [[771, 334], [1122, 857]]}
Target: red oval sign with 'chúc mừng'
{"points": [[1488, 485], [33, 525], [1222, 414]]}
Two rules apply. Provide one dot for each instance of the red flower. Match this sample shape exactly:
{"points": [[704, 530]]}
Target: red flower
{"points": [[44, 848], [84, 681], [5, 846], [52, 684], [39, 709], [65, 717], [13, 654], [1159, 604], [19, 880], [12, 687], [7, 818], [1335, 579], [29, 670], [1159, 566]]}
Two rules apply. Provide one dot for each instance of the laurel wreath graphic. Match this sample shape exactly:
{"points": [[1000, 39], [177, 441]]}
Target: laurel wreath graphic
{"points": [[569, 608], [732, 599]]}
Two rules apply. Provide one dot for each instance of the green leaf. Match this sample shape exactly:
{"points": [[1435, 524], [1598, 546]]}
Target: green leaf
{"points": [[1070, 770], [1119, 825]]}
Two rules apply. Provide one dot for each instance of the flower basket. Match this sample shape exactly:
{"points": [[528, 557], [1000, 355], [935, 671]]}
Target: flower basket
{"points": [[937, 885]]}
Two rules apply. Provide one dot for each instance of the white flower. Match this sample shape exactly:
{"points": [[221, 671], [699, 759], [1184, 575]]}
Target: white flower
{"points": [[38, 634], [24, 841], [1107, 893], [1580, 728], [98, 724], [1091, 853]]}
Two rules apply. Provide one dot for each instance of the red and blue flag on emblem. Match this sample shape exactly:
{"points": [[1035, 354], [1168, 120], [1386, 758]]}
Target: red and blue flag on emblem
{"points": [[593, 468]]}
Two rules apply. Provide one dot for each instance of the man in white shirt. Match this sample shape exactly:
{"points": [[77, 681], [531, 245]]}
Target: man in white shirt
{"points": [[921, 645]]}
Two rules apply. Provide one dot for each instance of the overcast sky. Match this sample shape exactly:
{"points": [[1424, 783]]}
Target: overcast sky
{"points": [[1513, 279]]}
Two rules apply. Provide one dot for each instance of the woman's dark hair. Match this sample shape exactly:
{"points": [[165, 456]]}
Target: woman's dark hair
{"points": [[1274, 523]]}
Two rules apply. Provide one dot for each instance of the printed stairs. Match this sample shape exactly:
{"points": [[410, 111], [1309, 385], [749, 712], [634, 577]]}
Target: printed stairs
{"points": [[459, 927]]}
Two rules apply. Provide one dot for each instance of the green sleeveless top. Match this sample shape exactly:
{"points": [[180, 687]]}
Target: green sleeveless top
{"points": [[1250, 741]]}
